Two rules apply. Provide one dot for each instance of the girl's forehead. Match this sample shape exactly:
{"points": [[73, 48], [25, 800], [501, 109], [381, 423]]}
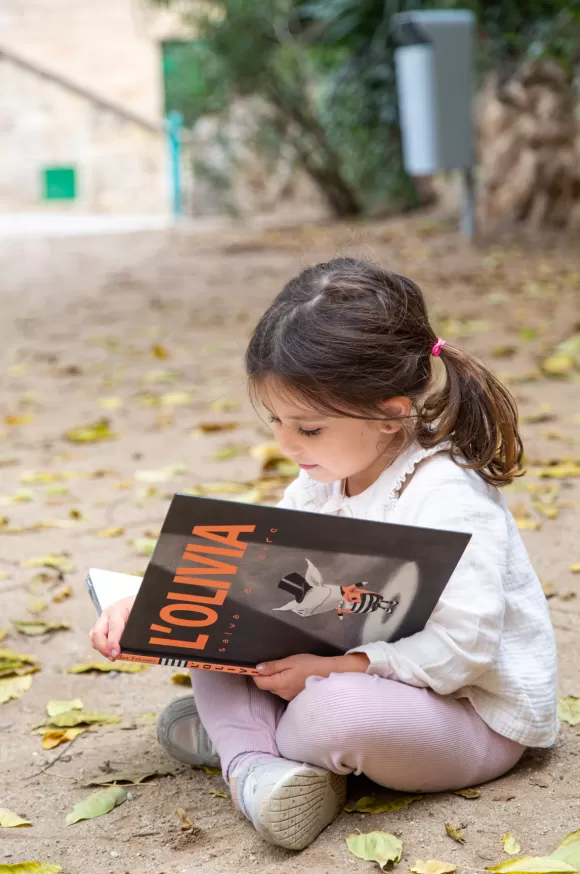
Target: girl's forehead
{"points": [[285, 404]]}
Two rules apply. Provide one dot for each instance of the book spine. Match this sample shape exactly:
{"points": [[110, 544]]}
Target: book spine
{"points": [[184, 663]]}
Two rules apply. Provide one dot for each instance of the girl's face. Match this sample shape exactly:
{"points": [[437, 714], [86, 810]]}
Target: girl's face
{"points": [[333, 448]]}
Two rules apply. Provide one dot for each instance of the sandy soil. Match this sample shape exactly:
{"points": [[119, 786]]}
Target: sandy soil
{"points": [[79, 322]]}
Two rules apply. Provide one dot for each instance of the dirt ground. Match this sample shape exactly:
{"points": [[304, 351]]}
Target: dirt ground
{"points": [[80, 320]]}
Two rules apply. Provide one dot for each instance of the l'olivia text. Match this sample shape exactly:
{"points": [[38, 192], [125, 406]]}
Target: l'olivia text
{"points": [[195, 601]]}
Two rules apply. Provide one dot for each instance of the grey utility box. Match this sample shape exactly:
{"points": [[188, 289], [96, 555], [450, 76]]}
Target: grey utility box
{"points": [[434, 65]]}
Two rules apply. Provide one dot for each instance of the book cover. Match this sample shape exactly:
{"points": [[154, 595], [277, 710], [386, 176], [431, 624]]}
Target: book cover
{"points": [[230, 585]]}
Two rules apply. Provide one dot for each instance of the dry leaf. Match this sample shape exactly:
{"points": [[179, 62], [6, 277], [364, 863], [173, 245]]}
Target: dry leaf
{"points": [[54, 708], [11, 820], [468, 793], [188, 827], [159, 351], [376, 804], [111, 403], [542, 414], [569, 709], [222, 405], [36, 605], [97, 804], [110, 532], [531, 865], [510, 845], [144, 545], [14, 687], [132, 777], [575, 568], [160, 376], [176, 399], [30, 868], [59, 562], [34, 628], [162, 474], [549, 589], [57, 736], [18, 420], [379, 847], [182, 678], [106, 667], [433, 866], [454, 833], [217, 793], [12, 662], [211, 772], [4, 632], [563, 470], [91, 433], [216, 427], [61, 595], [147, 719], [72, 718]]}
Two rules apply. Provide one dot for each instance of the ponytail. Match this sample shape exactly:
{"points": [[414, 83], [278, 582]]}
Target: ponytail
{"points": [[478, 415]]}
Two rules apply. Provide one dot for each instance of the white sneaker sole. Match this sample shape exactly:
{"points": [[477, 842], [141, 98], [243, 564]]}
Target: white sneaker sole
{"points": [[300, 806]]}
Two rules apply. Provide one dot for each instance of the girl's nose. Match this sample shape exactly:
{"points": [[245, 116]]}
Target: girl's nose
{"points": [[288, 442]]}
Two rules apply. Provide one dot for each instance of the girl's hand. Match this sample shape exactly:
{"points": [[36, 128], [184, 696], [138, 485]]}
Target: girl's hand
{"points": [[287, 677], [105, 634]]}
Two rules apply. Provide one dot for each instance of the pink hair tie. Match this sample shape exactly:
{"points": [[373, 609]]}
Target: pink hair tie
{"points": [[436, 350]]}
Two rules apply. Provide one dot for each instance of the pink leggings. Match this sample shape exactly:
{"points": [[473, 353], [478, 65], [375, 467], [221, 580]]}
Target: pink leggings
{"points": [[397, 735]]}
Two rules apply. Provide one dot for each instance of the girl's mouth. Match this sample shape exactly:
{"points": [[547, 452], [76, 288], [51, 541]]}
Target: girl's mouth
{"points": [[307, 466]]}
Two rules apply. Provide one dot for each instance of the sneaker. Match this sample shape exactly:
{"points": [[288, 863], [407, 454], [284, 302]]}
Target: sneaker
{"points": [[288, 803], [181, 734]]}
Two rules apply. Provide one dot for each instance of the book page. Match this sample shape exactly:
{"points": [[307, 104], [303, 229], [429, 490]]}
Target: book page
{"points": [[110, 586]]}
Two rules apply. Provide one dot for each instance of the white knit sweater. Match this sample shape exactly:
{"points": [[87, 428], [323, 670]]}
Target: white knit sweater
{"points": [[490, 638]]}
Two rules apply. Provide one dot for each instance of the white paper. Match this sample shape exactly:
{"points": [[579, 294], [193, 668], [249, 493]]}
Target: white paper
{"points": [[110, 586]]}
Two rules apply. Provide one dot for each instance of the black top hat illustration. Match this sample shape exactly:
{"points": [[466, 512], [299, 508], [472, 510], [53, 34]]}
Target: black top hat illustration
{"points": [[296, 585]]}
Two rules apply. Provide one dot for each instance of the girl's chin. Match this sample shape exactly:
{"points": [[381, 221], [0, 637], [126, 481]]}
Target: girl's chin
{"points": [[321, 475]]}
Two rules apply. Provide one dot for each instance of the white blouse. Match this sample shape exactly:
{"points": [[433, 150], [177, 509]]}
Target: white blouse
{"points": [[490, 638]]}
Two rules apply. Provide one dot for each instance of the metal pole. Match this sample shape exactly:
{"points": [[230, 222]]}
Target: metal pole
{"points": [[468, 203], [174, 126]]}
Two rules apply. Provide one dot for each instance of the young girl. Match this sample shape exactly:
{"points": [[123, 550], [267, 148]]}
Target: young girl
{"points": [[388, 423]]}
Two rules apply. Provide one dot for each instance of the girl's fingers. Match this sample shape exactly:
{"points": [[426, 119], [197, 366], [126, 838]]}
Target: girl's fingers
{"points": [[99, 634], [116, 625]]}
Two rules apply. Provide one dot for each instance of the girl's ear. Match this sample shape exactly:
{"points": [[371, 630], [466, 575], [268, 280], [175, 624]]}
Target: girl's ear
{"points": [[397, 408]]}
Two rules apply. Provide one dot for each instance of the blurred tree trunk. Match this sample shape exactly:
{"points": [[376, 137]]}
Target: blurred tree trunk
{"points": [[529, 147]]}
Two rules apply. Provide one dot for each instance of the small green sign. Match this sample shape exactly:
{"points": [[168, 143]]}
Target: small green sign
{"points": [[59, 183]]}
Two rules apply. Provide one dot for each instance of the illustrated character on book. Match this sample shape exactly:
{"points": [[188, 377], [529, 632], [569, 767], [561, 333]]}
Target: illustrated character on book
{"points": [[313, 596]]}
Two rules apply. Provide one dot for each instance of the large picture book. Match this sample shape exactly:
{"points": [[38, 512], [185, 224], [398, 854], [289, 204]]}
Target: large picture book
{"points": [[230, 585]]}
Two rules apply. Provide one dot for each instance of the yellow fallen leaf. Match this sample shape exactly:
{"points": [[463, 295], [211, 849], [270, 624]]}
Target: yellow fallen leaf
{"points": [[57, 736], [36, 605], [558, 365], [468, 793], [30, 868], [14, 687], [110, 532], [97, 804], [217, 793], [144, 545], [454, 833], [376, 804], [11, 820], [39, 476], [72, 718], [569, 709], [216, 427], [54, 708], [181, 679], [34, 628], [271, 458], [17, 420], [60, 563], [222, 405], [105, 667], [111, 403], [549, 590], [176, 399], [433, 866], [162, 474], [531, 865], [159, 351], [91, 433], [564, 470], [62, 594], [379, 847], [575, 568], [160, 376], [510, 845]]}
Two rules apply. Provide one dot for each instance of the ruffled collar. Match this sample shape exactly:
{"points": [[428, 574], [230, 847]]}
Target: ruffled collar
{"points": [[381, 496]]}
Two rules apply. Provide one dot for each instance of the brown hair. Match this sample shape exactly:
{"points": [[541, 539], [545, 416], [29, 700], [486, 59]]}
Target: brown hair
{"points": [[347, 335]]}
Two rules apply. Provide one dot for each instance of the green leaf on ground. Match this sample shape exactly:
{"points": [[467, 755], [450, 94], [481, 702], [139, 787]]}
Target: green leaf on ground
{"points": [[454, 833], [379, 847], [97, 804], [11, 820], [30, 868], [14, 687], [569, 709], [532, 865], [433, 866], [468, 793], [380, 804], [54, 708], [569, 850], [510, 845]]}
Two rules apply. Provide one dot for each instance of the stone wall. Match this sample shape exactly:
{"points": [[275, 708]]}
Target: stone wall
{"points": [[107, 48]]}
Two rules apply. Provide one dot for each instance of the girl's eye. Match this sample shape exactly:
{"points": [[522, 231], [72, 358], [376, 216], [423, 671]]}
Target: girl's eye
{"points": [[313, 433]]}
